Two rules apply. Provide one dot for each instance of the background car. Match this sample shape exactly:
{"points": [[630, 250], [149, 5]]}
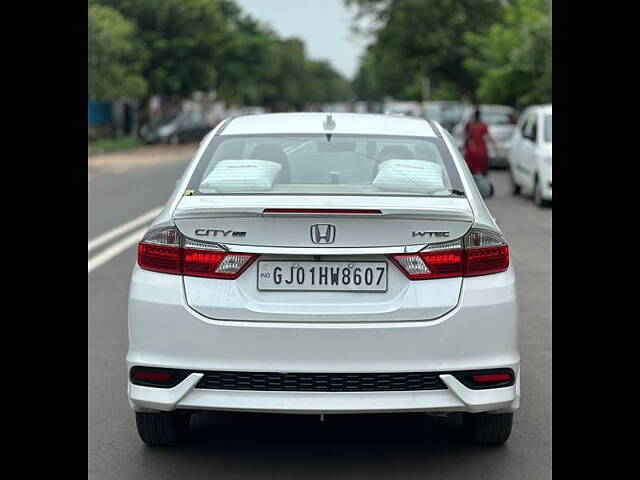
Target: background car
{"points": [[446, 113], [395, 107], [501, 120], [530, 154], [178, 128]]}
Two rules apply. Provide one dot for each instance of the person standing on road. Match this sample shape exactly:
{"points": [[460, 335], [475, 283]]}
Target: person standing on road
{"points": [[475, 150]]}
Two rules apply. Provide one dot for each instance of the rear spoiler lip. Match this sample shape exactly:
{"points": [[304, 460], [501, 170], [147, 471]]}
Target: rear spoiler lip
{"points": [[455, 215]]}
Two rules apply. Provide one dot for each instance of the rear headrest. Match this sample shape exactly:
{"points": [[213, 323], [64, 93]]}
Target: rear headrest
{"points": [[427, 151], [273, 153], [394, 151]]}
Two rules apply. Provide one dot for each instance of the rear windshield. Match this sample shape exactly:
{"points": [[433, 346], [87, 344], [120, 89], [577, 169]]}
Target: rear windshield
{"points": [[326, 165], [443, 113], [498, 118]]}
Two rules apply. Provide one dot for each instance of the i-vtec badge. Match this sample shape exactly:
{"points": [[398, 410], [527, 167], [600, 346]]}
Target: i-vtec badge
{"points": [[416, 233], [214, 232]]}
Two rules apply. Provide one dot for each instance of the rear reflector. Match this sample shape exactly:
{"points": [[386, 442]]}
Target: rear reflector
{"points": [[157, 377], [483, 379], [152, 376], [323, 211], [166, 251], [492, 378]]}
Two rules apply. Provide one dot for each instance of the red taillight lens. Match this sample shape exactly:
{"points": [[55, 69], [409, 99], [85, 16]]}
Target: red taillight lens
{"points": [[482, 261], [423, 265], [484, 252], [159, 258], [164, 250], [213, 264]]}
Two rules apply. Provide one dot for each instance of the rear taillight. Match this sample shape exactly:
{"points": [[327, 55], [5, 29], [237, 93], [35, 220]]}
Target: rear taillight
{"points": [[485, 252], [166, 250], [436, 261], [480, 252]]}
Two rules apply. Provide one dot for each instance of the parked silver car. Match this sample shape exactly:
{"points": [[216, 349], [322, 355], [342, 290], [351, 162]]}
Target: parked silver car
{"points": [[501, 120]]}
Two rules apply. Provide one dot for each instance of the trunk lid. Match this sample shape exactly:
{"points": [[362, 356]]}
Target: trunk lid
{"points": [[403, 224], [240, 221]]}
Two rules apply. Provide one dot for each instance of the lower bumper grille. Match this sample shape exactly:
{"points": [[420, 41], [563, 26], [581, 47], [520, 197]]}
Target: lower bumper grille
{"points": [[321, 382]]}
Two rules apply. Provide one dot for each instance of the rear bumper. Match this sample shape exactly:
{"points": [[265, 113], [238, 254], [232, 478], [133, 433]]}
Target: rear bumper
{"points": [[479, 333], [547, 192], [498, 162], [456, 398], [498, 156]]}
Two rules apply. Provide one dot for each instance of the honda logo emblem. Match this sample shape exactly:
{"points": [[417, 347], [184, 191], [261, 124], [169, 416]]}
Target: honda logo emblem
{"points": [[323, 233]]}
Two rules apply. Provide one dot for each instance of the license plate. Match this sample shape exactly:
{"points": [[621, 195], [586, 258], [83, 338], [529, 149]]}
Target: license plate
{"points": [[323, 276]]}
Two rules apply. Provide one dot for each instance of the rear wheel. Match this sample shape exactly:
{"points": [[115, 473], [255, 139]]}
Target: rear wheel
{"points": [[537, 195], [163, 428], [488, 428], [515, 188], [174, 139]]}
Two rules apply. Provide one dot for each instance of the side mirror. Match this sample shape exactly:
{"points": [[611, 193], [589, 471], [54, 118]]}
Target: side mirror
{"points": [[485, 187]]}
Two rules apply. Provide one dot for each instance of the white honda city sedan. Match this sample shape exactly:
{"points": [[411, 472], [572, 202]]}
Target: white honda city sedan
{"points": [[324, 264], [530, 155]]}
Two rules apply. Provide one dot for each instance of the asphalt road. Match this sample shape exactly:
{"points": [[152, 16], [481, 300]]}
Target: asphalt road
{"points": [[247, 446]]}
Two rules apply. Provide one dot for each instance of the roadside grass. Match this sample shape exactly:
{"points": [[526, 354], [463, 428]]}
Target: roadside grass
{"points": [[104, 145]]}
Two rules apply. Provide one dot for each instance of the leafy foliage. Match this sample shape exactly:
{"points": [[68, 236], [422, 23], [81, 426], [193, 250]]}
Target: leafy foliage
{"points": [[206, 45], [492, 51], [416, 38], [514, 59], [115, 58]]}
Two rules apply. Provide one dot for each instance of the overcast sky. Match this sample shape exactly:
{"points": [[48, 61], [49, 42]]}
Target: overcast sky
{"points": [[322, 24]]}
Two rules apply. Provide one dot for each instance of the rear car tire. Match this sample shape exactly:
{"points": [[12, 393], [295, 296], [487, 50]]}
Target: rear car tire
{"points": [[515, 188], [537, 195], [163, 428], [488, 428]]}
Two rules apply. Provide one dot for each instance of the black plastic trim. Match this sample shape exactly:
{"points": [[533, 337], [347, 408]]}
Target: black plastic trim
{"points": [[463, 376]]}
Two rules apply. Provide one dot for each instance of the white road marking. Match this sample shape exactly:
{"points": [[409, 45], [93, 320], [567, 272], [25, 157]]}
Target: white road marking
{"points": [[116, 249], [124, 228]]}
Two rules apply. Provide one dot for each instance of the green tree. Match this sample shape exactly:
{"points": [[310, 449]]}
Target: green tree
{"points": [[204, 45], [324, 84], [513, 64], [413, 39], [244, 75], [115, 59], [186, 39]]}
